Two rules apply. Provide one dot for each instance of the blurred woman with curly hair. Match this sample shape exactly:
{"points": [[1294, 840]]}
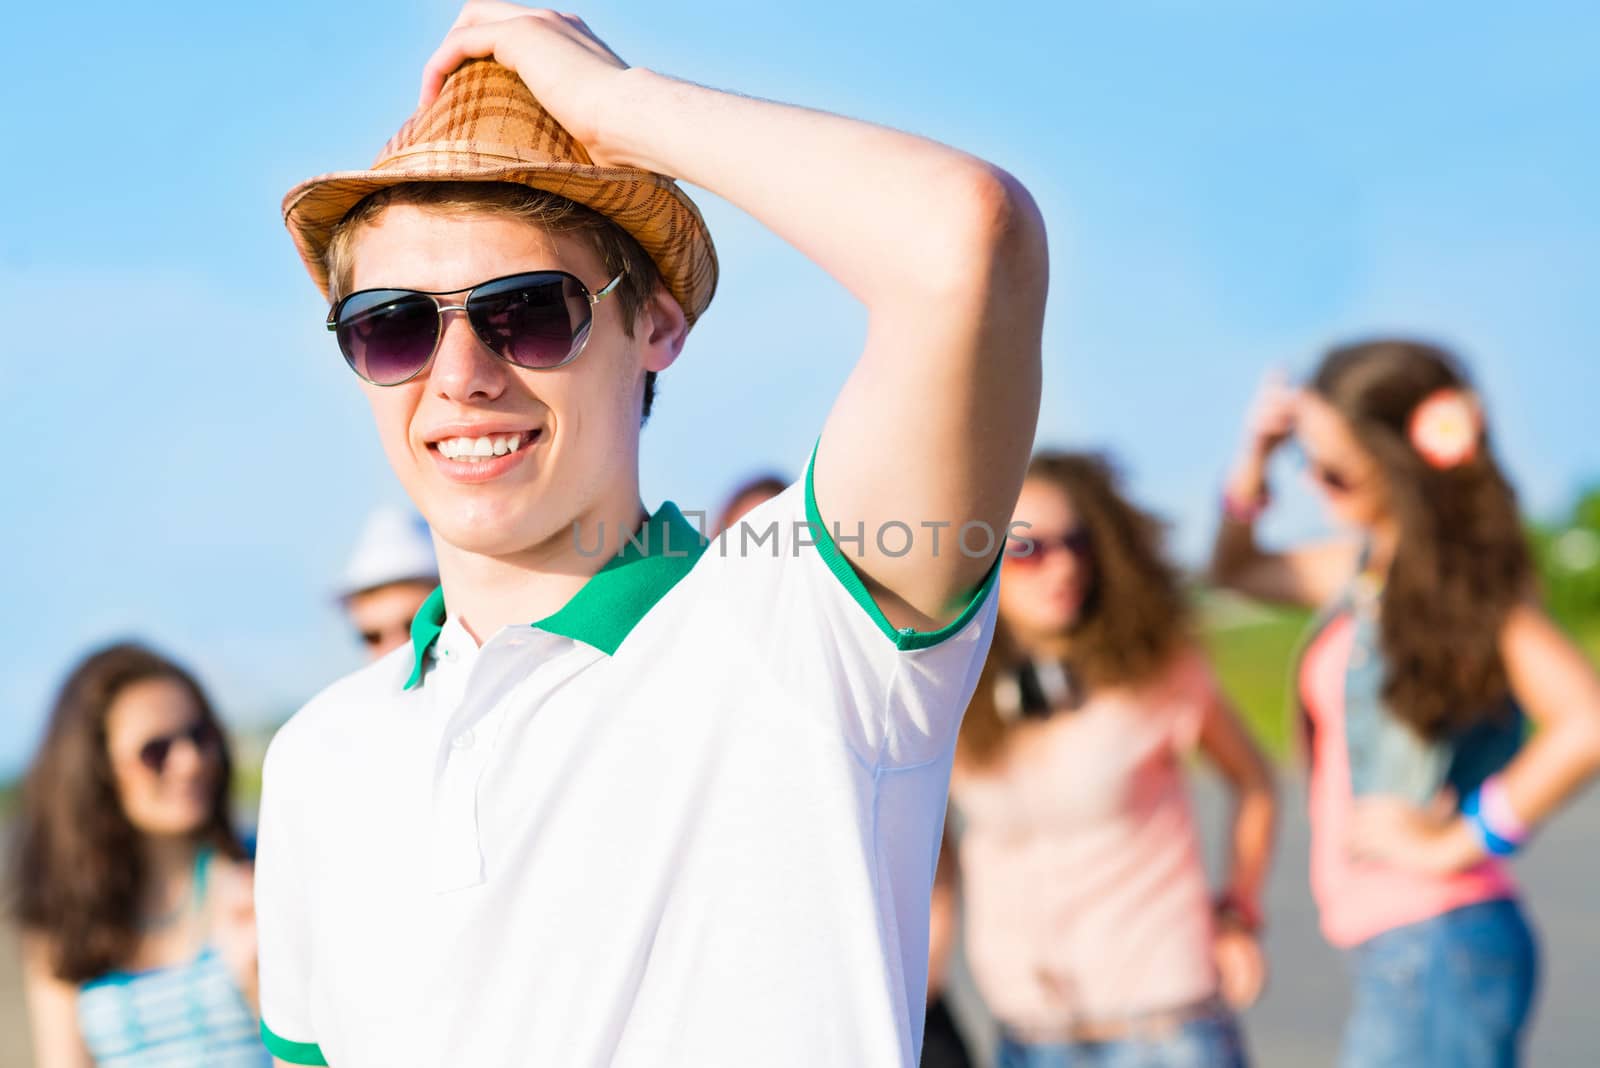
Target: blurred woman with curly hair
{"points": [[1090, 928]]}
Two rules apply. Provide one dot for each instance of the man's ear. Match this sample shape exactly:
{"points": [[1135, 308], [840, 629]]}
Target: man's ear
{"points": [[661, 329]]}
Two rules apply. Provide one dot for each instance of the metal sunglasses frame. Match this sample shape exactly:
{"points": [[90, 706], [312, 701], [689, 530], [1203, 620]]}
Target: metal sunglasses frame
{"points": [[440, 307]]}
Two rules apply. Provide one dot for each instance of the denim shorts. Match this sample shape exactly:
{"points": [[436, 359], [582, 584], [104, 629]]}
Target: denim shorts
{"points": [[1453, 991], [1208, 1041]]}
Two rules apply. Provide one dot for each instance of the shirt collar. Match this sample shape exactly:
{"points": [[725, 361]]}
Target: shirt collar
{"points": [[611, 603]]}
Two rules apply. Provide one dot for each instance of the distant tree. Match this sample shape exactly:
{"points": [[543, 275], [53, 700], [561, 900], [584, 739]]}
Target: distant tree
{"points": [[1568, 555]]}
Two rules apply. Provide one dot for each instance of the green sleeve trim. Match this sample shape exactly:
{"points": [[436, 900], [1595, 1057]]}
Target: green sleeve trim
{"points": [[904, 638], [293, 1052]]}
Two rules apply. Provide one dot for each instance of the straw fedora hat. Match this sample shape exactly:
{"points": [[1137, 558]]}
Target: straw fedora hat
{"points": [[486, 126]]}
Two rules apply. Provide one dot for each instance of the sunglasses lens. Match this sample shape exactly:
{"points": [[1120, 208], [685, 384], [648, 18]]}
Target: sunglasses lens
{"points": [[1333, 480], [1024, 551], [387, 335], [537, 321], [153, 754]]}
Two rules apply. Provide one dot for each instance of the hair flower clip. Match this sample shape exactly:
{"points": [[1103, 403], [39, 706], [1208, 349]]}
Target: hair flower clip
{"points": [[1445, 428]]}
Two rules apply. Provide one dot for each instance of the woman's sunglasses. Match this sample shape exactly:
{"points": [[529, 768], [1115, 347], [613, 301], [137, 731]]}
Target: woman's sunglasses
{"points": [[1332, 479], [538, 320], [399, 632], [1028, 552], [154, 753]]}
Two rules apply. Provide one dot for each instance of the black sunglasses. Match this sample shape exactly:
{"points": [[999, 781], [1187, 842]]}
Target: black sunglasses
{"points": [[375, 637], [1332, 479], [538, 320], [154, 753]]}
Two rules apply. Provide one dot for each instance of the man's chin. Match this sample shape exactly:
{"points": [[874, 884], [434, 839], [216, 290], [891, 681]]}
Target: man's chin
{"points": [[499, 536]]}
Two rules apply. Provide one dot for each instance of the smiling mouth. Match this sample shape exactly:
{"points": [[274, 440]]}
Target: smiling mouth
{"points": [[487, 447]]}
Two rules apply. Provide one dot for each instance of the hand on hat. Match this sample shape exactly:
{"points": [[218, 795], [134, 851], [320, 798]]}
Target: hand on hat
{"points": [[560, 60]]}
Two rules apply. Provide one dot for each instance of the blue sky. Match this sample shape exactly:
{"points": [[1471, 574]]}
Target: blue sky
{"points": [[1228, 185]]}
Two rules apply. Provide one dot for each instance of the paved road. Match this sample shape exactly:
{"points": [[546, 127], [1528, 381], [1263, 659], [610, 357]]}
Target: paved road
{"points": [[1296, 1025]]}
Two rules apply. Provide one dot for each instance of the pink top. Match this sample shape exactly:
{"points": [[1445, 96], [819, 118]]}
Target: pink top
{"points": [[1358, 900], [1084, 892]]}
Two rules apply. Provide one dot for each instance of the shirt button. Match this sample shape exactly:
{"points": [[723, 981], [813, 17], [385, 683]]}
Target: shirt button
{"points": [[463, 740]]}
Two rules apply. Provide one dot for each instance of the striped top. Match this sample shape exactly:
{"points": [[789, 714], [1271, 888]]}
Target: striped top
{"points": [[189, 1015]]}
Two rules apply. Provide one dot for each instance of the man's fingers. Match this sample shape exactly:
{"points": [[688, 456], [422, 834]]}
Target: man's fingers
{"points": [[483, 30], [459, 45], [469, 37], [478, 12]]}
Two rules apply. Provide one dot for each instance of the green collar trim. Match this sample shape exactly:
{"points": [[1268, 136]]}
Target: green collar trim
{"points": [[611, 603]]}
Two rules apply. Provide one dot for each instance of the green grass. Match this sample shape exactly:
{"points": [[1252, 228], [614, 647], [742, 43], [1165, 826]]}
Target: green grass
{"points": [[1254, 661], [1588, 636]]}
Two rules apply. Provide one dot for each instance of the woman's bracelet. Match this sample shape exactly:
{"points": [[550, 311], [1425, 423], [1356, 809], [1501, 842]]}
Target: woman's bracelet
{"points": [[1230, 908], [1489, 810], [1245, 511]]}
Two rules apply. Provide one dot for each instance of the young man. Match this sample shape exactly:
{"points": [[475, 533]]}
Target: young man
{"points": [[628, 799]]}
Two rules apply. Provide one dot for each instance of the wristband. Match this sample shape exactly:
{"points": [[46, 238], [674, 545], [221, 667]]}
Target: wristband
{"points": [[1498, 840], [1494, 806], [1245, 511], [1231, 908]]}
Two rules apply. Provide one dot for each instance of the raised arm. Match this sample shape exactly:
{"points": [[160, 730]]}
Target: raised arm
{"points": [[1307, 576], [946, 251]]}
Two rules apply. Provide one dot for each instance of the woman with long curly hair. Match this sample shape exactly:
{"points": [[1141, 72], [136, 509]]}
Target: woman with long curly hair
{"points": [[1090, 929], [132, 889], [1430, 648]]}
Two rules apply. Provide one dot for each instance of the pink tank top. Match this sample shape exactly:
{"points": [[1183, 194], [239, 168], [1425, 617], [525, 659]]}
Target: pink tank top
{"points": [[1358, 900], [1084, 891]]}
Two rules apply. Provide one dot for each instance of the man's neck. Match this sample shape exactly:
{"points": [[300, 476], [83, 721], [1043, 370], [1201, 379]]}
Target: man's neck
{"points": [[485, 593]]}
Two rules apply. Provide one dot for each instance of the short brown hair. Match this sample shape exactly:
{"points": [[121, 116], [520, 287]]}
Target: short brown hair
{"points": [[617, 249]]}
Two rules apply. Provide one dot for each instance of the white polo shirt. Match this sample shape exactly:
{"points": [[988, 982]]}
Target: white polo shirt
{"points": [[689, 819]]}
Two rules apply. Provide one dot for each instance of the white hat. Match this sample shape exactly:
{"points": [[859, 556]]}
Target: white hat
{"points": [[394, 547]]}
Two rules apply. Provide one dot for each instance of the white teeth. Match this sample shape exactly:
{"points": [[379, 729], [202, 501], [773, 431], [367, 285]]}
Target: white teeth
{"points": [[473, 449]]}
